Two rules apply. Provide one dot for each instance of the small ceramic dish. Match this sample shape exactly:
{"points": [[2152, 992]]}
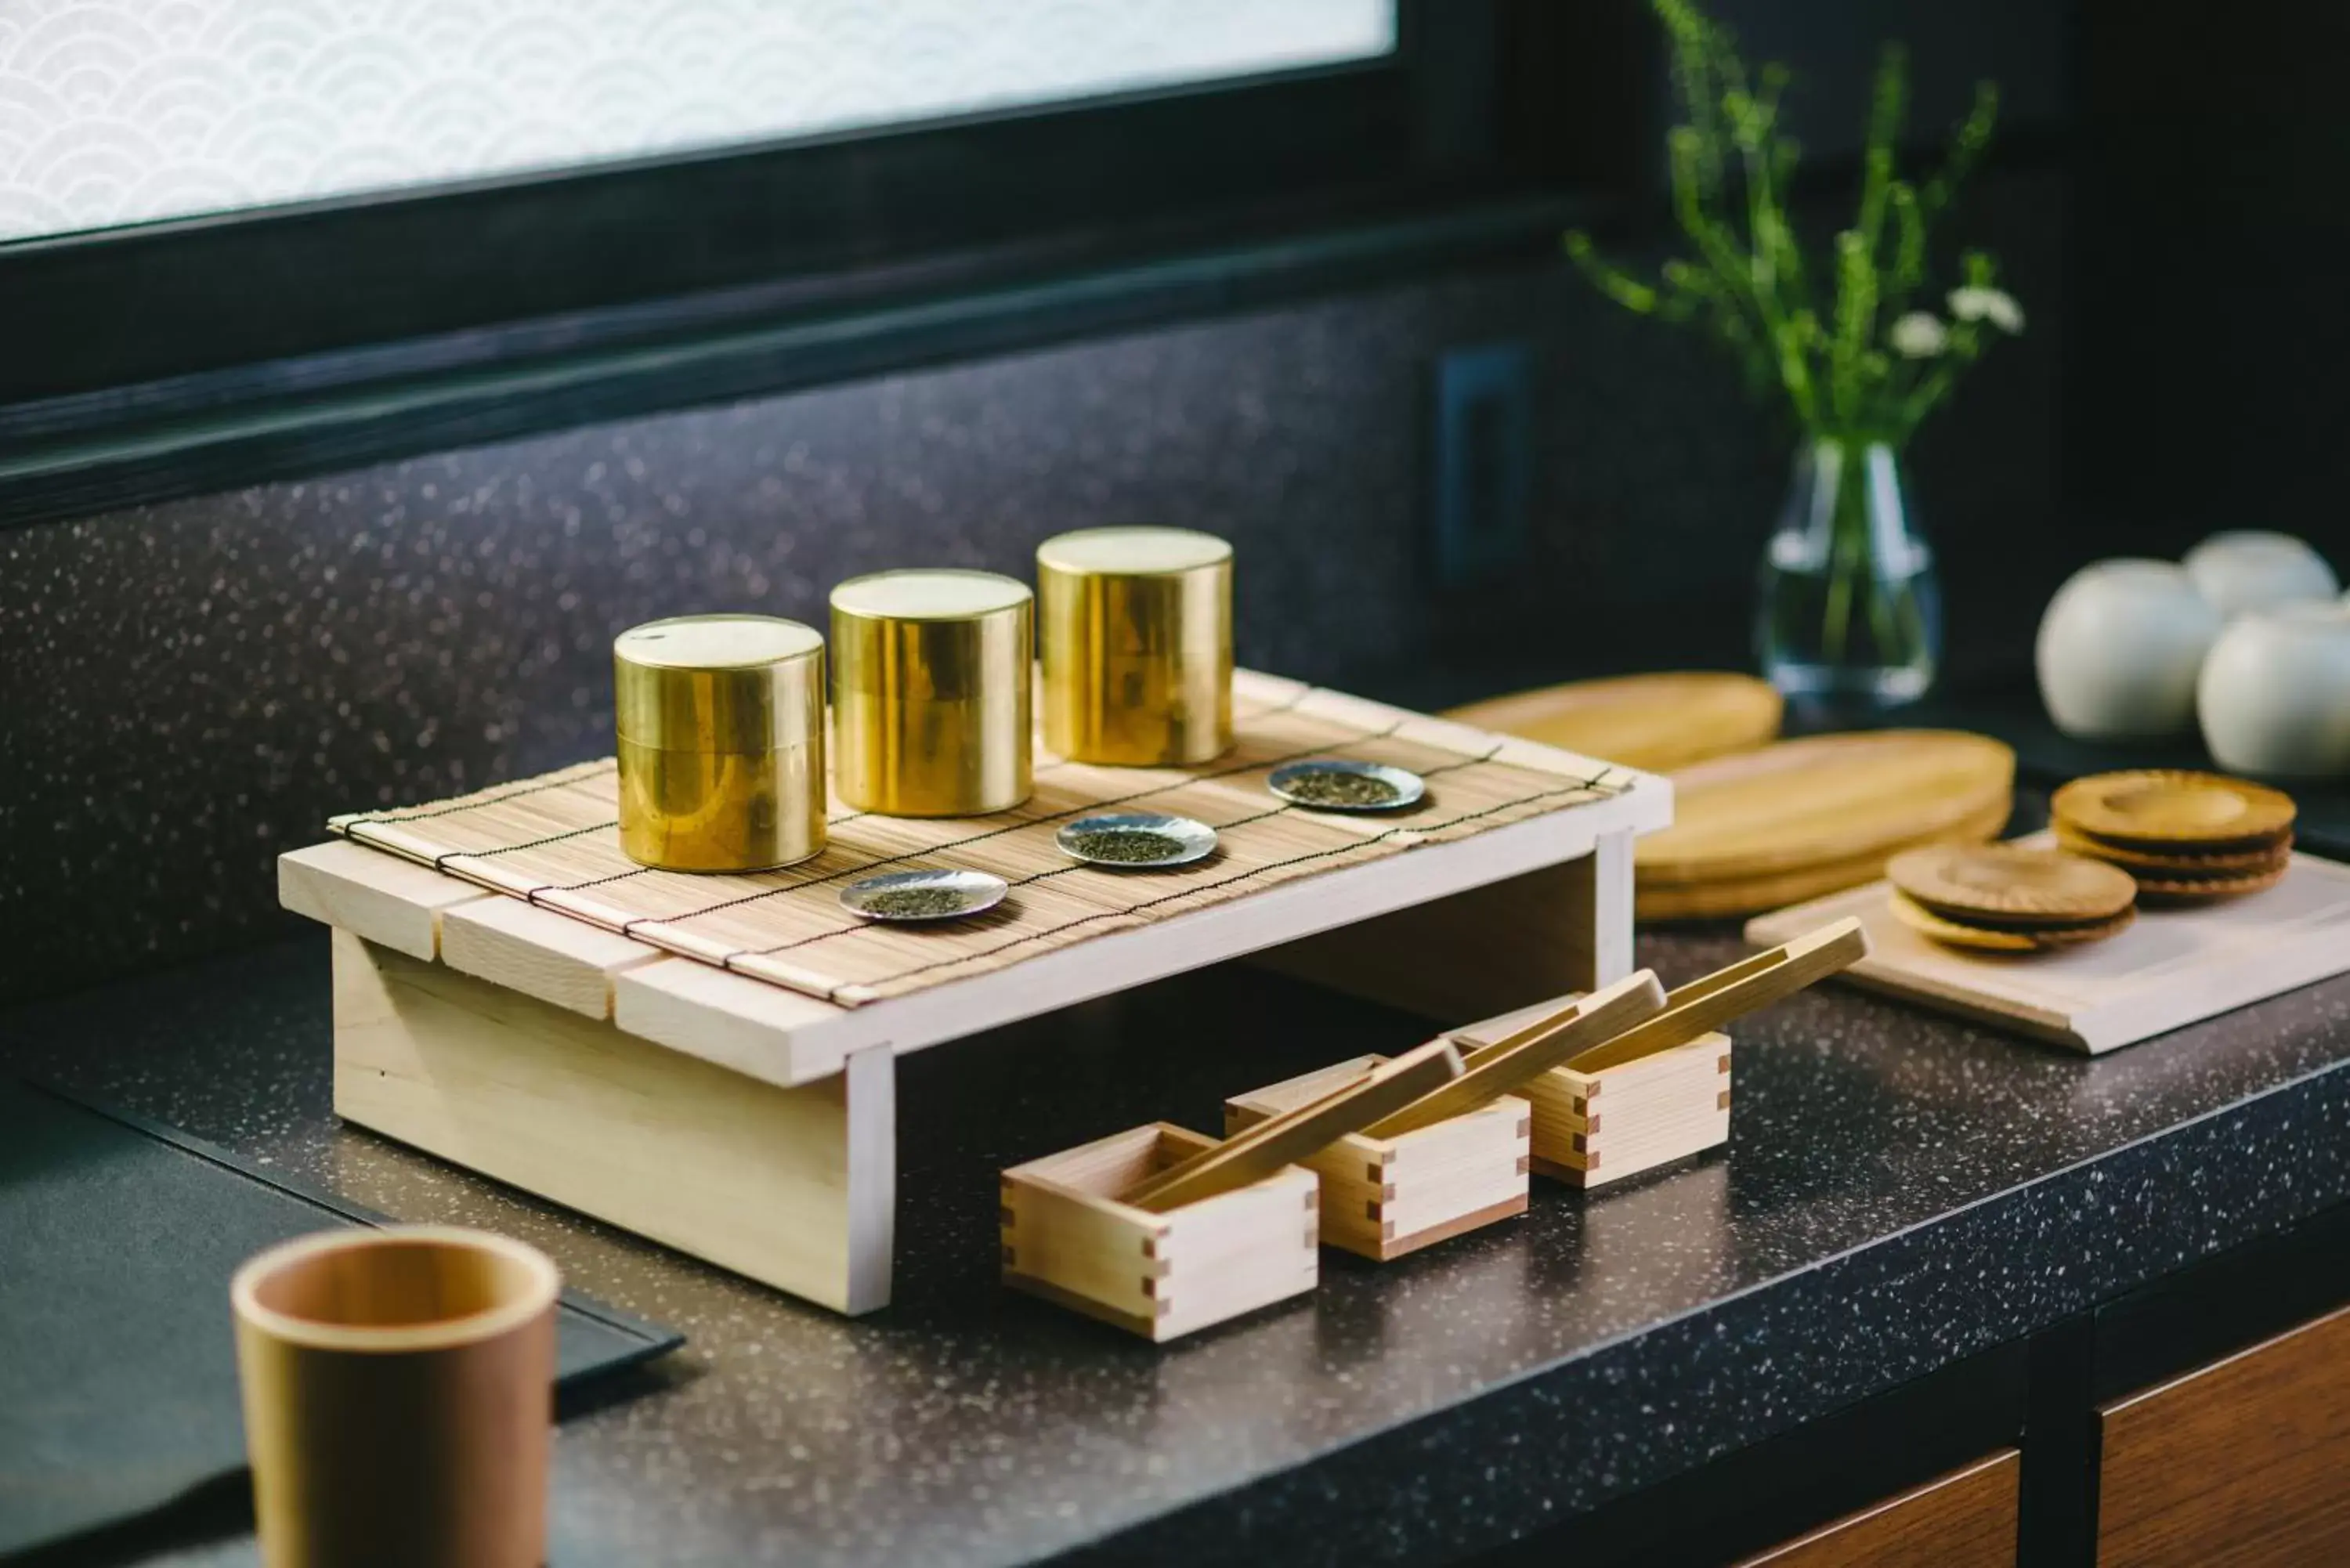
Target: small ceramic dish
{"points": [[925, 895], [1332, 784], [1120, 840]]}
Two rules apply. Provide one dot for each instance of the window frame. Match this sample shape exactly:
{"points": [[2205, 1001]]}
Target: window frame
{"points": [[193, 354]]}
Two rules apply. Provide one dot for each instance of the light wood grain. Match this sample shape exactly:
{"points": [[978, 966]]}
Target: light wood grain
{"points": [[791, 1186], [1068, 1239], [1502, 1066], [1774, 890], [1966, 1519], [1384, 1197], [776, 1036], [1658, 722], [540, 954], [1705, 1005], [1800, 804], [390, 903], [2240, 1464], [1252, 1154], [2170, 967]]}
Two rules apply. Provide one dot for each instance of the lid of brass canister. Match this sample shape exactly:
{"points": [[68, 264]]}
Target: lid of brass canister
{"points": [[1132, 550], [734, 683], [981, 620]]}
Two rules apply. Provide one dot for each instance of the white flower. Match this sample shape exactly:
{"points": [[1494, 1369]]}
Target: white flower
{"points": [[1918, 335], [1994, 305]]}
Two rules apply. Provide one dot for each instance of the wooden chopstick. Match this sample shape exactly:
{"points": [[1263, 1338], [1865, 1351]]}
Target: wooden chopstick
{"points": [[1707, 1004], [1507, 1064], [1257, 1152]]}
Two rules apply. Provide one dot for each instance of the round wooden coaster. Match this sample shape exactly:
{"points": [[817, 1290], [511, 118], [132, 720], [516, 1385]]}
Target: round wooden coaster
{"points": [[2012, 884], [2162, 810], [2183, 864], [2205, 890], [2001, 938]]}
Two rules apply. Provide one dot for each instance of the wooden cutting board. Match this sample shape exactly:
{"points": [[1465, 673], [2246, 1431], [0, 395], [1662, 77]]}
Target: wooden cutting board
{"points": [[1648, 722], [2170, 967], [1828, 798]]}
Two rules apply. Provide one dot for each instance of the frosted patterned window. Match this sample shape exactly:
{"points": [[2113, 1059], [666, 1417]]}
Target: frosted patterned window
{"points": [[119, 112]]}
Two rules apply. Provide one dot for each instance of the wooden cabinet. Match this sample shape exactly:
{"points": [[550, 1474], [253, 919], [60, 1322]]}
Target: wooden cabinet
{"points": [[2244, 1462], [1963, 1519]]}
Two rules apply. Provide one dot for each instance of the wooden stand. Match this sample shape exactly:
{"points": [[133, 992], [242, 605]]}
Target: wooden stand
{"points": [[751, 1124], [1067, 1240], [1382, 1198]]}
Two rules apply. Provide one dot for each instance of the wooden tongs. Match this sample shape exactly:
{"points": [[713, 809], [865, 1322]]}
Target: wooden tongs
{"points": [[1257, 1152], [1635, 1017], [1632, 1019]]}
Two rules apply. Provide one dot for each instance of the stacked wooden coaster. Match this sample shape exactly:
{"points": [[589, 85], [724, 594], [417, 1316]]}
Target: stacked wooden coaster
{"points": [[2185, 838], [2006, 897]]}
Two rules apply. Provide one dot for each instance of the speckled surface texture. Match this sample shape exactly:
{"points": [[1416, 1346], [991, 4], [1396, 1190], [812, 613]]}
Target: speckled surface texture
{"points": [[1901, 1190], [187, 689]]}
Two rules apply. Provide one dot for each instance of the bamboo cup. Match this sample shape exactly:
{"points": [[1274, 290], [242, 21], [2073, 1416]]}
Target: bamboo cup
{"points": [[931, 702], [398, 1397], [1136, 628], [720, 720]]}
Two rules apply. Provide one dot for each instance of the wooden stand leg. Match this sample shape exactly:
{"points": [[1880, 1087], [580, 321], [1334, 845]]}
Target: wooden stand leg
{"points": [[792, 1187], [1489, 950]]}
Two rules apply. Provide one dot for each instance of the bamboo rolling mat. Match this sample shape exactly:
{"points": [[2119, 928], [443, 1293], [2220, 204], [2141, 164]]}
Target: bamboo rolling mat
{"points": [[554, 841]]}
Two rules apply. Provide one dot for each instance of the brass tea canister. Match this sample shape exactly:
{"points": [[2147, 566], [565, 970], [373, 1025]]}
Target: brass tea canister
{"points": [[1138, 639], [930, 702], [720, 720]]}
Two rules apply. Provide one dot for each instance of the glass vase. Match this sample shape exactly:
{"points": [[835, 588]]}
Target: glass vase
{"points": [[1850, 619]]}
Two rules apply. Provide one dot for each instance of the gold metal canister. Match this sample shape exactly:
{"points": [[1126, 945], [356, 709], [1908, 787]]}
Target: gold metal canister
{"points": [[930, 700], [1138, 639], [720, 720]]}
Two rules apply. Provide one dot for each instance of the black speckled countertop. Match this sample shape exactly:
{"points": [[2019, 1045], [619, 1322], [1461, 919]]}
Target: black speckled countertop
{"points": [[1901, 1190]]}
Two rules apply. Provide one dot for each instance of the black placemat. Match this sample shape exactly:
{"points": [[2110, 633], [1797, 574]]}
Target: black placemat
{"points": [[118, 1360]]}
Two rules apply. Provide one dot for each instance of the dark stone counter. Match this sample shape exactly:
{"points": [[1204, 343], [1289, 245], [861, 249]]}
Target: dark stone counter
{"points": [[1901, 1190]]}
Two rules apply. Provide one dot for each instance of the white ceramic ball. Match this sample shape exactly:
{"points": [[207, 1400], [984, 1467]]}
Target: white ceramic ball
{"points": [[2248, 569], [2119, 647], [2274, 696]]}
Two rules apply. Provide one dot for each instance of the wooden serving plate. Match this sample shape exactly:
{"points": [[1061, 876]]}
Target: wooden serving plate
{"points": [[1653, 721]]}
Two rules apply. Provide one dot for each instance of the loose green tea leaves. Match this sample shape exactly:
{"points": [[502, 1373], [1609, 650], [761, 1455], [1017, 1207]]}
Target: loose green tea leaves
{"points": [[916, 903], [1125, 846], [1334, 787]]}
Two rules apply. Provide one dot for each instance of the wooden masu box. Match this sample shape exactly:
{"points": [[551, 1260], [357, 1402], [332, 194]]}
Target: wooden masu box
{"points": [[754, 1126], [1068, 1239], [1384, 1197], [1589, 1129]]}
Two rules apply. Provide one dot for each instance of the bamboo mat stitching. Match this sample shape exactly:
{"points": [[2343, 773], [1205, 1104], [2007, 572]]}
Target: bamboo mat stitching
{"points": [[833, 993], [470, 803], [1035, 876], [834, 990], [1086, 808], [440, 862]]}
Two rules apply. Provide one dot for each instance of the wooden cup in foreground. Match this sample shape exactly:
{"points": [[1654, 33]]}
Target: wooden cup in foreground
{"points": [[1067, 1238], [398, 1397], [1384, 1197]]}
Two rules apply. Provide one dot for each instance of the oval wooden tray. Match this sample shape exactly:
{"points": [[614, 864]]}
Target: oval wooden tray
{"points": [[1754, 895], [1648, 722], [1802, 803]]}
